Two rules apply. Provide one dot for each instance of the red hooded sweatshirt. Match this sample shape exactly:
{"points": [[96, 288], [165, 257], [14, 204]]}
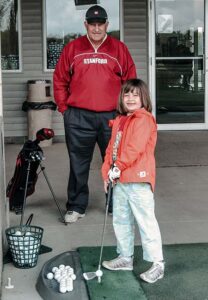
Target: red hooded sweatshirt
{"points": [[91, 78], [135, 157]]}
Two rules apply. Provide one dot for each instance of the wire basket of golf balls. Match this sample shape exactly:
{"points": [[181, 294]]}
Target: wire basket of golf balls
{"points": [[24, 245]]}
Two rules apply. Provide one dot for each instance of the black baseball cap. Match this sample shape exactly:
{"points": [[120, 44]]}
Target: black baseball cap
{"points": [[95, 14]]}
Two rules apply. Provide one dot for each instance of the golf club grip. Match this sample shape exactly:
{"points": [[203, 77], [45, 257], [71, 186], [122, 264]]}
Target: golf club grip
{"points": [[110, 188]]}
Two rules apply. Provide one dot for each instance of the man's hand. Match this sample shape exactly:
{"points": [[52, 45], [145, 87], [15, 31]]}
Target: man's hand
{"points": [[114, 173]]}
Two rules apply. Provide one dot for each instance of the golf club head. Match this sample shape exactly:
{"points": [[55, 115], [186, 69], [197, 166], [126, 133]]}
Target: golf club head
{"points": [[89, 275]]}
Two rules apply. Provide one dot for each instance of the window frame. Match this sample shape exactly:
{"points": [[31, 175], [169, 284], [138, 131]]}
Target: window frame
{"points": [[19, 41], [44, 16]]}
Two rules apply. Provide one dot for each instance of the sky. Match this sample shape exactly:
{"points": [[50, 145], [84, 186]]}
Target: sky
{"points": [[63, 17], [185, 14]]}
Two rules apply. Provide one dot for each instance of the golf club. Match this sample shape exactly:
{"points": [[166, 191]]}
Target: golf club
{"points": [[99, 273]]}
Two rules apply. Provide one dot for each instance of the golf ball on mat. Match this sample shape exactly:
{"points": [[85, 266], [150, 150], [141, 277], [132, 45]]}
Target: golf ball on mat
{"points": [[99, 273]]}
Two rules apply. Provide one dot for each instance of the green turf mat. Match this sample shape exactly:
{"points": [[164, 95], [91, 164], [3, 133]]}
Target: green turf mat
{"points": [[115, 285], [186, 275]]}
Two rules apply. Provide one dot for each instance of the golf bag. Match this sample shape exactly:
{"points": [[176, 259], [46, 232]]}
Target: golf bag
{"points": [[29, 157]]}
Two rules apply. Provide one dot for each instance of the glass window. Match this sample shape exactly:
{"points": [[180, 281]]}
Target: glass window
{"points": [[180, 91], [179, 28], [180, 79], [65, 22], [9, 35]]}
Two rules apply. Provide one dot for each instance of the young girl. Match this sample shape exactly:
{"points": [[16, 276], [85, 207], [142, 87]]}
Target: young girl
{"points": [[130, 164]]}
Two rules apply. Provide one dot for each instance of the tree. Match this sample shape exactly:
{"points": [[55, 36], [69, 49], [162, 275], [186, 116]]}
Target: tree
{"points": [[5, 8]]}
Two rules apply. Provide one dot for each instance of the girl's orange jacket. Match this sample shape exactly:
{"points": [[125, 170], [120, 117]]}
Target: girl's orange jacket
{"points": [[135, 156]]}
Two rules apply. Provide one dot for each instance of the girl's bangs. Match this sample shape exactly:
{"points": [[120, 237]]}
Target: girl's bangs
{"points": [[131, 89]]}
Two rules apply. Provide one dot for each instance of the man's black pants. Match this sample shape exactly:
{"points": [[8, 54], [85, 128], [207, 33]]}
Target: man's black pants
{"points": [[83, 129]]}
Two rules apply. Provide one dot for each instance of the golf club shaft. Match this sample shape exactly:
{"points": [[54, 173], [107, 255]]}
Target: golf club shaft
{"points": [[25, 193], [105, 221], [91, 275]]}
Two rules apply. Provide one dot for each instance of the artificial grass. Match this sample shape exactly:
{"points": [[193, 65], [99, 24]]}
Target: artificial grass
{"points": [[114, 285], [186, 275]]}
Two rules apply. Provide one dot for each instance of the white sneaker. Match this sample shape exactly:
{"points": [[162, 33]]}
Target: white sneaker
{"points": [[154, 273], [119, 263], [72, 216]]}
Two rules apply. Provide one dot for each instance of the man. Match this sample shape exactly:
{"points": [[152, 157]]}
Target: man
{"points": [[87, 82]]}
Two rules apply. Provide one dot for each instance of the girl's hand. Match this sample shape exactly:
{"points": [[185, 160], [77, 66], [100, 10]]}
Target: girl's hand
{"points": [[106, 183], [114, 173]]}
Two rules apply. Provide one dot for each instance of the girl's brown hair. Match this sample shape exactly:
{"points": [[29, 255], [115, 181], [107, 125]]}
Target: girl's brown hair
{"points": [[140, 86]]}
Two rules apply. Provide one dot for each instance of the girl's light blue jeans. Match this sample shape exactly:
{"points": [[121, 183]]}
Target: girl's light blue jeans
{"points": [[135, 201]]}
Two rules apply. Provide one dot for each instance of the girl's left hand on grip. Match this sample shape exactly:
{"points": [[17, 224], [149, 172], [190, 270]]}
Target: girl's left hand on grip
{"points": [[114, 173]]}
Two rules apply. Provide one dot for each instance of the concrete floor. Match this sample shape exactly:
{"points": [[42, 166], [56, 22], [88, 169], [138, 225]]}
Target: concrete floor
{"points": [[181, 203]]}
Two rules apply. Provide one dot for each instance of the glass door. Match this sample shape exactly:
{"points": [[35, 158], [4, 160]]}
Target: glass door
{"points": [[179, 62]]}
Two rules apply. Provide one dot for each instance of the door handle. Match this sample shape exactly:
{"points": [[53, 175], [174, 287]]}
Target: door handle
{"points": [[204, 64]]}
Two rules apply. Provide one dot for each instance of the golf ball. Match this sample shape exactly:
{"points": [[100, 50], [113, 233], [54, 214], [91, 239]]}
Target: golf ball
{"points": [[61, 267], [69, 284], [57, 276], [73, 276], [54, 269], [18, 232], [28, 233], [99, 273], [70, 272], [50, 275], [62, 289]]}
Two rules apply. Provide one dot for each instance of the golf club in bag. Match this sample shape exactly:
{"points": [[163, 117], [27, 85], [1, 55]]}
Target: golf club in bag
{"points": [[99, 273], [22, 184]]}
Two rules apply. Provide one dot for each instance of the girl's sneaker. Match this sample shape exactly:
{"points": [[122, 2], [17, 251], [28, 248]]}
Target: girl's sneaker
{"points": [[119, 263], [154, 273]]}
